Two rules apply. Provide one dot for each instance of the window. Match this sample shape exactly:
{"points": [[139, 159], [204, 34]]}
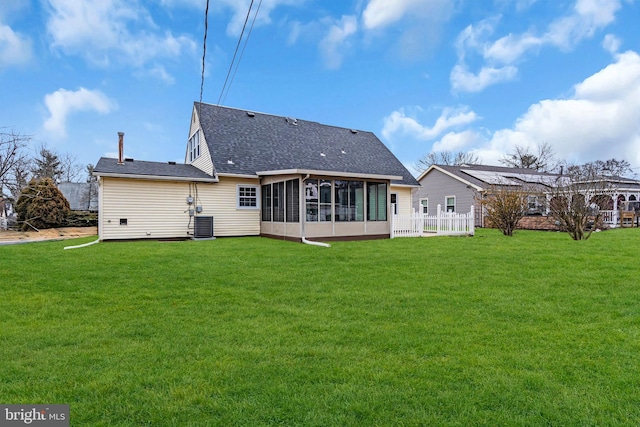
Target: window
{"points": [[311, 199], [266, 202], [325, 206], [424, 206], [247, 196], [349, 200], [450, 203], [376, 201], [292, 190], [194, 146], [281, 201], [278, 202]]}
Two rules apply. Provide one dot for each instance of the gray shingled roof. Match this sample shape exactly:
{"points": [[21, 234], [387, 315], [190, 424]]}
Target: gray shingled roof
{"points": [[77, 194], [463, 172], [242, 143], [152, 169]]}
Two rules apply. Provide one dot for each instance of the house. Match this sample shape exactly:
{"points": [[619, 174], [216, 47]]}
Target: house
{"points": [[457, 188], [82, 196], [248, 174]]}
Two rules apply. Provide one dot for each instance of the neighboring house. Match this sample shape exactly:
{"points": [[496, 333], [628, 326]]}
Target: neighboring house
{"points": [[82, 196], [249, 174], [7, 214], [457, 188]]}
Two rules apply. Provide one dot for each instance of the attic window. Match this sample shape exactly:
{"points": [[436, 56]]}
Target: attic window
{"points": [[193, 147], [292, 121], [251, 114]]}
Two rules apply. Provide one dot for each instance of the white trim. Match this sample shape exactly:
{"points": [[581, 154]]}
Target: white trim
{"points": [[393, 206], [422, 206], [154, 177], [446, 206], [329, 173], [454, 176], [257, 188], [237, 175]]}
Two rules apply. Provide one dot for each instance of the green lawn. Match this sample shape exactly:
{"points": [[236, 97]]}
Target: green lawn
{"points": [[460, 331]]}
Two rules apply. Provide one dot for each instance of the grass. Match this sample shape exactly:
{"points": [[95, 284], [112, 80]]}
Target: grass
{"points": [[487, 330]]}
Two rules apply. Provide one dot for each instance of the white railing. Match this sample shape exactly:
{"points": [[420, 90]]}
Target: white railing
{"points": [[611, 218], [443, 223]]}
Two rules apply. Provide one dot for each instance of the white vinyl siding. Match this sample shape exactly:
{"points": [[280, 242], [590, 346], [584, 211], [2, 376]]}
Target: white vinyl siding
{"points": [[403, 199], [158, 209]]}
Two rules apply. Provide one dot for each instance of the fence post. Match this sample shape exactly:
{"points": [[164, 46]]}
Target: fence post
{"points": [[438, 219], [393, 224], [472, 224]]}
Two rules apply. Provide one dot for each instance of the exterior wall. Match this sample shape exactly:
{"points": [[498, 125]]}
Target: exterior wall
{"points": [[437, 186], [220, 201], [331, 229], [158, 209], [203, 162], [284, 229], [404, 200], [152, 209]]}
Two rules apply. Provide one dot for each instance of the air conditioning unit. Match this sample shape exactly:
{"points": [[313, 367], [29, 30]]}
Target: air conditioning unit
{"points": [[203, 227]]}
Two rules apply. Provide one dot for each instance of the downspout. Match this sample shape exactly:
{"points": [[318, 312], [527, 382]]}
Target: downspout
{"points": [[304, 221]]}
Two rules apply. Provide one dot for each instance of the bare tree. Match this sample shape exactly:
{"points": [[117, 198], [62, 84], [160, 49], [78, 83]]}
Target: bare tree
{"points": [[71, 169], [581, 193], [12, 156], [446, 158], [543, 160], [504, 206]]}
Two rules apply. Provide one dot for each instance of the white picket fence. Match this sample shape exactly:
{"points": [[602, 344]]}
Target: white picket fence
{"points": [[443, 224]]}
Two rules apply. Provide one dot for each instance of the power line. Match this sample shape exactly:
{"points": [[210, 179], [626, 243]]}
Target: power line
{"points": [[235, 53], [246, 40], [204, 52]]}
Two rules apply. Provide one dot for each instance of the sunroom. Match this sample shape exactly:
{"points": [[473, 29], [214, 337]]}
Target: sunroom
{"points": [[324, 207]]}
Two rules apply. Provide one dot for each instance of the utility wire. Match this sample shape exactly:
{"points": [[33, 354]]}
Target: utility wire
{"points": [[234, 54], [204, 52], [246, 40]]}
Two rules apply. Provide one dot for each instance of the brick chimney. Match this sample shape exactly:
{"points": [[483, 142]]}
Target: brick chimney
{"points": [[121, 148]]}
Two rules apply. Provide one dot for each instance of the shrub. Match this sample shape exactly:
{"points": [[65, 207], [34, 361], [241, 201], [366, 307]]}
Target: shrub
{"points": [[41, 205]]}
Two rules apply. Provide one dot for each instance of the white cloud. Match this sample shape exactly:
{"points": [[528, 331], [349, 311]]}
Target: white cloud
{"points": [[417, 23], [463, 80], [457, 141], [15, 49], [380, 13], [499, 56], [600, 121], [611, 43], [62, 103], [398, 123], [102, 33], [240, 8], [160, 73], [335, 43]]}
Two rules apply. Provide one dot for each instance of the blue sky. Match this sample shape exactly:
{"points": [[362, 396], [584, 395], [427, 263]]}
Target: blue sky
{"points": [[424, 75]]}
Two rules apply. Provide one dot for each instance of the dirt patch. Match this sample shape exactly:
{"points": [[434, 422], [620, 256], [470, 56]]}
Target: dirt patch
{"points": [[48, 234]]}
